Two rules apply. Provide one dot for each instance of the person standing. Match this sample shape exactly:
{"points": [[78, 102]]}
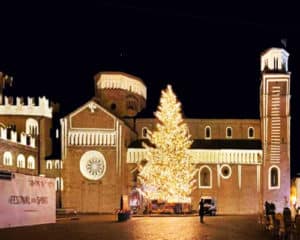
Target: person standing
{"points": [[201, 210]]}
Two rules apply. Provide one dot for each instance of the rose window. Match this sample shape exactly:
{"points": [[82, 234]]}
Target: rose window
{"points": [[92, 165], [95, 167]]}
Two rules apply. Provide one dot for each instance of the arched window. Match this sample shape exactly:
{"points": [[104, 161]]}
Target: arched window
{"points": [[205, 177], [229, 132], [250, 132], [275, 63], [57, 133], [32, 127], [21, 161], [7, 159], [48, 164], [274, 177], [57, 187], [144, 132], [59, 184], [266, 65], [30, 162], [207, 132], [57, 164], [132, 103]]}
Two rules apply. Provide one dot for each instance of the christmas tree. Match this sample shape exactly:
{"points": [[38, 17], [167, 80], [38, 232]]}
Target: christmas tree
{"points": [[168, 172]]}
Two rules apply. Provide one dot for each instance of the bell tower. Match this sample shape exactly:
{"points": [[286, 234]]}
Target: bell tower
{"points": [[275, 126], [121, 93]]}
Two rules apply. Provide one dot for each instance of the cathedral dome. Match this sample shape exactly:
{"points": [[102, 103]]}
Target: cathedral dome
{"points": [[122, 93]]}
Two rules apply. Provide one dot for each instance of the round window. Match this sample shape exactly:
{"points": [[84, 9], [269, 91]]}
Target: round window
{"points": [[225, 171], [92, 165]]}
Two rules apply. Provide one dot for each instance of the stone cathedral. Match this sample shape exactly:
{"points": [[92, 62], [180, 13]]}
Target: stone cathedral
{"points": [[241, 162]]}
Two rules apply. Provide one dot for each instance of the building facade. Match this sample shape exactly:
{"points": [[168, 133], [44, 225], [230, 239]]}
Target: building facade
{"points": [[240, 162], [25, 134]]}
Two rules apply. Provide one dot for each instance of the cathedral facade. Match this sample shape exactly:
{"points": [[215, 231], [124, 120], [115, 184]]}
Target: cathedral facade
{"points": [[241, 163]]}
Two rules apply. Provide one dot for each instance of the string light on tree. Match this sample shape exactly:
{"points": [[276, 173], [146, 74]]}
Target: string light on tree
{"points": [[168, 172]]}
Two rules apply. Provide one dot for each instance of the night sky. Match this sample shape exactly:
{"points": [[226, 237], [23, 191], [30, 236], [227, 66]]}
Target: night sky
{"points": [[209, 54]]}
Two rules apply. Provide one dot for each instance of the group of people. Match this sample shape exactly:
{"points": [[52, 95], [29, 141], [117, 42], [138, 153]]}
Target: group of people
{"points": [[269, 208]]}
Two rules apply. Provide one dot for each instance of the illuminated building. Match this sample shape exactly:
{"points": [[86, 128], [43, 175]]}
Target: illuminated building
{"points": [[240, 162]]}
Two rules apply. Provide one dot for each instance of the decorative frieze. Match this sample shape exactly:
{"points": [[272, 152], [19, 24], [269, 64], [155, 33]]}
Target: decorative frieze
{"points": [[231, 156], [135, 155], [204, 156], [119, 81], [92, 138]]}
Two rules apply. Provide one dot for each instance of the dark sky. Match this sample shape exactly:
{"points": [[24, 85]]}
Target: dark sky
{"points": [[209, 53]]}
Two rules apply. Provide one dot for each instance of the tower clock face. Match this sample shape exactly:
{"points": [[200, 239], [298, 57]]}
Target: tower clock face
{"points": [[92, 165]]}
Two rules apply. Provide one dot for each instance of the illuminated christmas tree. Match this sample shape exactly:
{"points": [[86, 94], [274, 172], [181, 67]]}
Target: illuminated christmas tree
{"points": [[168, 172]]}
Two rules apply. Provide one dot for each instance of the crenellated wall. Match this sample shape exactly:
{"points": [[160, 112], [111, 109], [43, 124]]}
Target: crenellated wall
{"points": [[14, 137], [17, 106]]}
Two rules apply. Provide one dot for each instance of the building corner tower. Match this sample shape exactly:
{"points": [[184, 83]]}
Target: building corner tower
{"points": [[275, 126]]}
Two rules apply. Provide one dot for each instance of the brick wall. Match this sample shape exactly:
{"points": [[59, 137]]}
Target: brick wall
{"points": [[119, 97], [218, 127], [230, 198]]}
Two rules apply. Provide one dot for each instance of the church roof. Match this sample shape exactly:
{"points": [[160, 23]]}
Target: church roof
{"points": [[274, 49], [213, 144], [97, 76]]}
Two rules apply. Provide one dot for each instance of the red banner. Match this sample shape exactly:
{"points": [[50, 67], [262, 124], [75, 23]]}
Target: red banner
{"points": [[27, 200]]}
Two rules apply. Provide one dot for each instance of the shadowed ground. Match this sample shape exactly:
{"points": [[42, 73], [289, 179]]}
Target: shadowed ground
{"points": [[97, 227]]}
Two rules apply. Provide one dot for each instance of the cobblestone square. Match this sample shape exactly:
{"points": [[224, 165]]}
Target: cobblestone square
{"points": [[97, 227]]}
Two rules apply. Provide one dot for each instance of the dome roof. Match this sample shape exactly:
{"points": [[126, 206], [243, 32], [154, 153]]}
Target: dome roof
{"points": [[120, 80]]}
